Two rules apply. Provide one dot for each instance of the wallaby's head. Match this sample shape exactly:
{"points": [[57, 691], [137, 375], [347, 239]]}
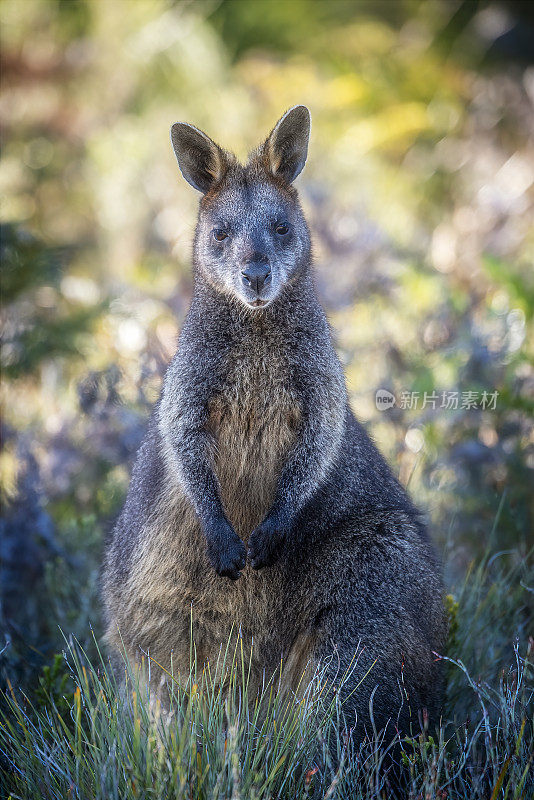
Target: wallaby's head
{"points": [[251, 237]]}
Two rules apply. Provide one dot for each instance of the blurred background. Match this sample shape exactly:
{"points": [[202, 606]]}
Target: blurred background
{"points": [[419, 190]]}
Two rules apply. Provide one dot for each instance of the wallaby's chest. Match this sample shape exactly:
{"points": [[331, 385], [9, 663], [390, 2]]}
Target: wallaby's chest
{"points": [[253, 422]]}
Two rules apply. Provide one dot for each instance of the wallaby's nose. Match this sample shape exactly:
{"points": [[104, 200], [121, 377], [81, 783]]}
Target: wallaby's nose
{"points": [[256, 274]]}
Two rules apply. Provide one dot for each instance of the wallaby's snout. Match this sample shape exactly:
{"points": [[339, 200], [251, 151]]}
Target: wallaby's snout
{"points": [[251, 236], [257, 274]]}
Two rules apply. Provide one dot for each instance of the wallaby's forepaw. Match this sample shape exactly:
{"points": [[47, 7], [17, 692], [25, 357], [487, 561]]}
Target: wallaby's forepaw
{"points": [[226, 551], [265, 542]]}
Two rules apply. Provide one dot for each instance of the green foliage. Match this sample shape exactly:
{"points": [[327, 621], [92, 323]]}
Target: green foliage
{"points": [[59, 593], [515, 280], [47, 338], [56, 688], [47, 329], [451, 610], [494, 609], [26, 263]]}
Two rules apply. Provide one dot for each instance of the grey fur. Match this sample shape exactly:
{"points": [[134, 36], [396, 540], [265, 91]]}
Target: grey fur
{"points": [[253, 451]]}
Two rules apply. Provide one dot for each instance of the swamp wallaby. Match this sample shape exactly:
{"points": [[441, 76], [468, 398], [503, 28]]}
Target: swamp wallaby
{"points": [[257, 501]]}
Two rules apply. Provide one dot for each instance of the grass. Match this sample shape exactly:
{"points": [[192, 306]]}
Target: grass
{"points": [[81, 735]]}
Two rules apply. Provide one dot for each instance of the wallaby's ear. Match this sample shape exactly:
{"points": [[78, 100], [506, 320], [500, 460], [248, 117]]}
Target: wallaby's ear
{"points": [[201, 161], [287, 145]]}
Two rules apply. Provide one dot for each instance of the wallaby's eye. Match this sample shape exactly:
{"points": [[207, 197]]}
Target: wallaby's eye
{"points": [[282, 229], [219, 235]]}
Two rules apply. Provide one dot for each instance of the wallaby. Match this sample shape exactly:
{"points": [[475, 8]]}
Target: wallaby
{"points": [[257, 501]]}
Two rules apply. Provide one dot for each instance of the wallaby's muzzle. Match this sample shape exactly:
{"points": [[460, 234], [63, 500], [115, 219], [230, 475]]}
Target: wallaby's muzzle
{"points": [[256, 275]]}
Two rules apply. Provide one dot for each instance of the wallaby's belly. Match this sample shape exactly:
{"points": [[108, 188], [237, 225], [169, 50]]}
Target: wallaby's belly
{"points": [[172, 584], [251, 444]]}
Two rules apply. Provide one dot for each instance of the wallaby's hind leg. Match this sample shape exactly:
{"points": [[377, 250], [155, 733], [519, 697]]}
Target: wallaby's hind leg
{"points": [[383, 688]]}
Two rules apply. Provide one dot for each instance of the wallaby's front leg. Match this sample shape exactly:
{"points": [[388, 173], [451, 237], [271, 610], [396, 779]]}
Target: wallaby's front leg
{"points": [[322, 422], [183, 417]]}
